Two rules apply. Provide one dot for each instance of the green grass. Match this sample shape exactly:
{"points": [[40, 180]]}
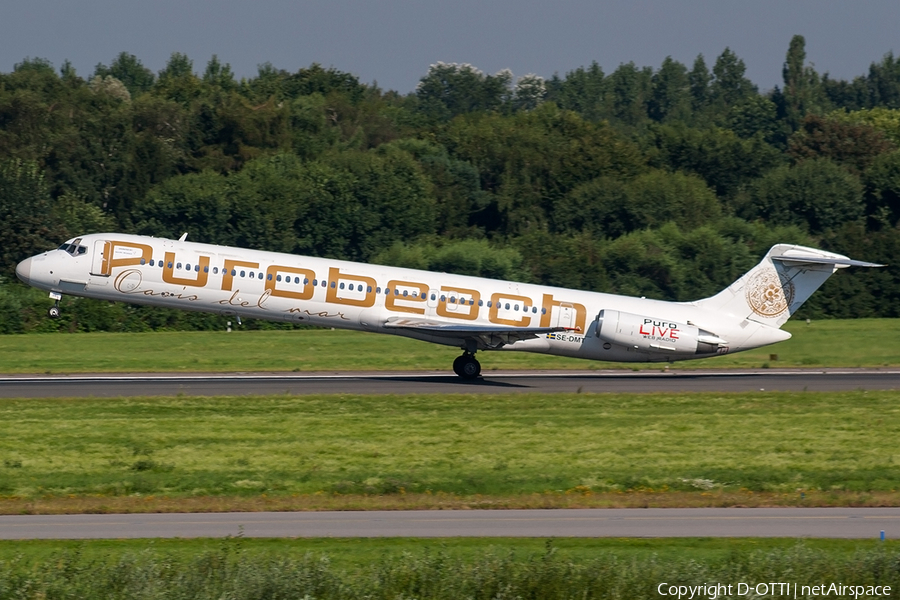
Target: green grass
{"points": [[851, 343], [348, 553], [500, 446], [408, 568]]}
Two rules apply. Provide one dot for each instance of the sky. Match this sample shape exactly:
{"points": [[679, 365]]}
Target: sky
{"points": [[393, 42]]}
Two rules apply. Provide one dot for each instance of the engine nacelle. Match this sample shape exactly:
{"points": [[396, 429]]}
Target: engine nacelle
{"points": [[649, 334]]}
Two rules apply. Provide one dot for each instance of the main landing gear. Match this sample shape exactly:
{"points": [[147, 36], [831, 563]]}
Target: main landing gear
{"points": [[466, 366]]}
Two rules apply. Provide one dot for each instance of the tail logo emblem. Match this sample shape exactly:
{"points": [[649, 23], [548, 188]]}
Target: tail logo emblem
{"points": [[767, 296]]}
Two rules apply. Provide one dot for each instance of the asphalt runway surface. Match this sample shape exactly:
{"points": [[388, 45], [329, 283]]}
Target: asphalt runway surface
{"points": [[231, 384], [626, 522]]}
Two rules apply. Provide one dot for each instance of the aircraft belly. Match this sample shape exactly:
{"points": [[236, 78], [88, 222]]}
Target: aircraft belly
{"points": [[540, 345]]}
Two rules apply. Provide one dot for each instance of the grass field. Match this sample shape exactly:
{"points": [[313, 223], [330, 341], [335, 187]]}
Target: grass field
{"points": [[405, 568], [283, 452], [348, 553], [851, 343]]}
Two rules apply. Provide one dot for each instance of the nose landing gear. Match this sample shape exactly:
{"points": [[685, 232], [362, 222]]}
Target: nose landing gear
{"points": [[466, 366], [53, 311]]}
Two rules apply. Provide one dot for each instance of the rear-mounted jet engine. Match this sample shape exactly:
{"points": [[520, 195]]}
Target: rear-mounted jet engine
{"points": [[648, 334]]}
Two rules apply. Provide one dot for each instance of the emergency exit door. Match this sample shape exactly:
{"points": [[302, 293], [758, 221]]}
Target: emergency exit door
{"points": [[564, 316]]}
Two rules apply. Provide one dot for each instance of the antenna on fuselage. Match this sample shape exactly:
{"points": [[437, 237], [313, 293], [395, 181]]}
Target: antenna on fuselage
{"points": [[183, 237]]}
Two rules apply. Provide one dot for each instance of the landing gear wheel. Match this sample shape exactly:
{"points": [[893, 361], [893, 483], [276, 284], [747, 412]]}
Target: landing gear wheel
{"points": [[53, 312], [467, 367]]}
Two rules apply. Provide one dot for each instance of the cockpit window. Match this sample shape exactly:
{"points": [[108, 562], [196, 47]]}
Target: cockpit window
{"points": [[73, 249]]}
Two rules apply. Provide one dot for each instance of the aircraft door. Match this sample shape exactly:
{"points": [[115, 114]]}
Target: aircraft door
{"points": [[564, 316], [452, 306], [98, 256]]}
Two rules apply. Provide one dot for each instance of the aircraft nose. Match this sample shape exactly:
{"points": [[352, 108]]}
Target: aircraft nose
{"points": [[23, 270]]}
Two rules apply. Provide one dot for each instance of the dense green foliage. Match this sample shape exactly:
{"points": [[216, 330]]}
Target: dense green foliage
{"points": [[663, 182], [239, 569]]}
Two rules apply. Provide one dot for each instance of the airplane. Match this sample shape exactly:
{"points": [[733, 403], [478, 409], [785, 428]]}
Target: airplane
{"points": [[472, 313]]}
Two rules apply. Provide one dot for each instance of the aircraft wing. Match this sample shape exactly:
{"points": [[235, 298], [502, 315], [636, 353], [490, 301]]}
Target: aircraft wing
{"points": [[487, 336]]}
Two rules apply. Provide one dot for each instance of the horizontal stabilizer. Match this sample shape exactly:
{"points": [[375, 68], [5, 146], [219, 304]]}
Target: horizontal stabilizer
{"points": [[488, 336], [821, 260]]}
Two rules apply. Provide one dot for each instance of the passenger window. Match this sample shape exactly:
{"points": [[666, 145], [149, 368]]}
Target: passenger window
{"points": [[196, 268], [433, 297], [378, 290], [305, 280], [215, 270], [489, 303], [143, 261], [443, 298], [278, 278], [179, 266], [315, 282], [152, 264], [534, 309], [424, 295], [332, 285], [243, 273], [481, 303], [187, 267], [206, 269], [368, 289], [543, 311], [507, 306], [252, 275], [323, 283], [170, 265], [341, 286], [517, 307]]}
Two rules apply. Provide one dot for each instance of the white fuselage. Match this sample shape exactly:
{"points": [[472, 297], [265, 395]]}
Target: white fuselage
{"points": [[333, 293]]}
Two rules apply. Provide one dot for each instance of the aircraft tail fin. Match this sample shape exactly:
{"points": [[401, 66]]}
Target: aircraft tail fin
{"points": [[774, 289]]}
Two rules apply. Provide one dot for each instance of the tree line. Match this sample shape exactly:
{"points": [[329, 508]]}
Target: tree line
{"points": [[663, 182]]}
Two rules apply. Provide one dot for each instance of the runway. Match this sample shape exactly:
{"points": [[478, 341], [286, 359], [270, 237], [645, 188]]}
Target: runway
{"points": [[630, 522], [231, 384]]}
